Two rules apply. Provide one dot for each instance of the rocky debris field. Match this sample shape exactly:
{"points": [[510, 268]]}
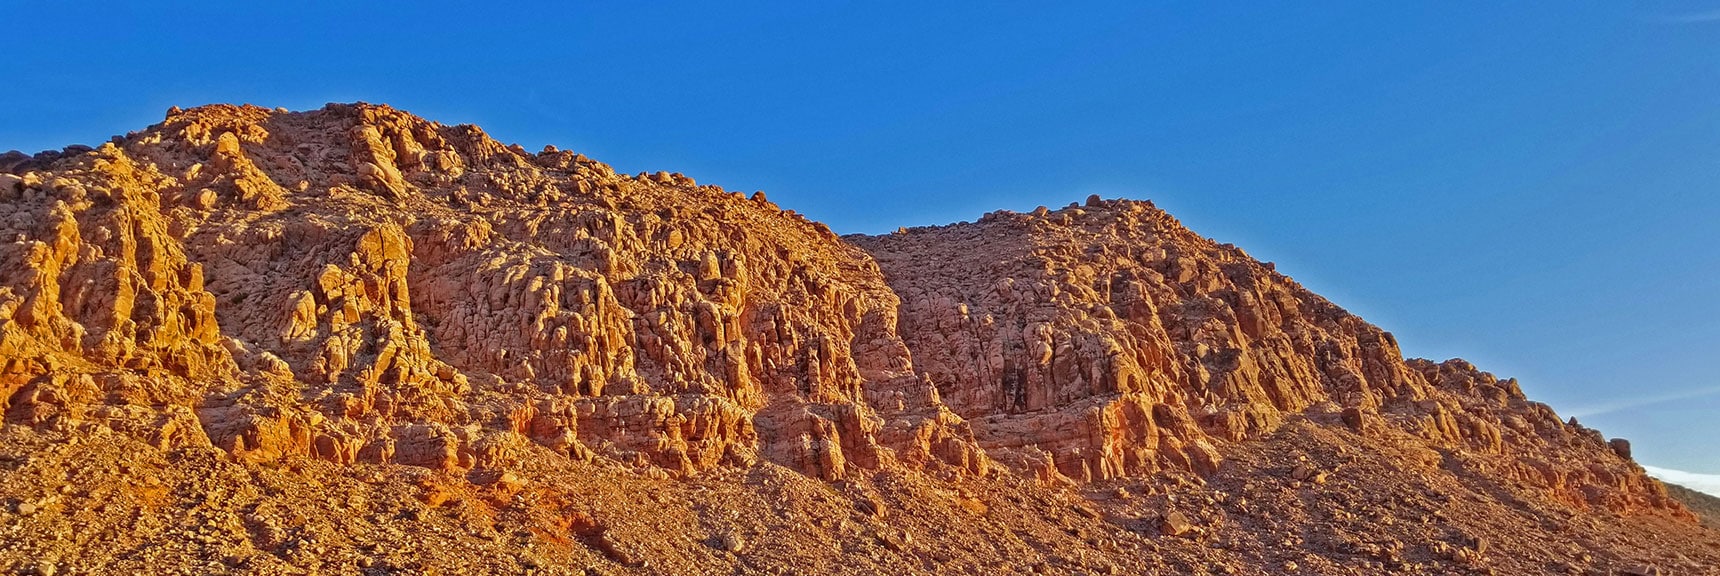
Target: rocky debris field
{"points": [[353, 341], [1705, 506], [1310, 499]]}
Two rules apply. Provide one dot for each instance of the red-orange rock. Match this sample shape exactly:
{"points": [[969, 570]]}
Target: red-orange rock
{"points": [[1114, 341], [356, 284], [320, 284]]}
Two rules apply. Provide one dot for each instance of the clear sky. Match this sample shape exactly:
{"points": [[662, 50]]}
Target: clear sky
{"points": [[1532, 186]]}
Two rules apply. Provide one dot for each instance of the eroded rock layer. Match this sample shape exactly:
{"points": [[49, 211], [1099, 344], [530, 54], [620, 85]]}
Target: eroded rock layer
{"points": [[262, 308], [357, 284], [1105, 340]]}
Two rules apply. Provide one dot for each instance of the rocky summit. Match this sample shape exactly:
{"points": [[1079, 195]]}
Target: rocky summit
{"points": [[353, 341]]}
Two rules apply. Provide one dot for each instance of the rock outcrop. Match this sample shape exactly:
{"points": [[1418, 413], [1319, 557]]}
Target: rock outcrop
{"points": [[364, 294], [357, 284], [1105, 340]]}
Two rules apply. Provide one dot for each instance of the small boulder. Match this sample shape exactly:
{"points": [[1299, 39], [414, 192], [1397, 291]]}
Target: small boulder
{"points": [[870, 506], [615, 550], [729, 541], [973, 505], [1175, 523], [894, 541], [1621, 447]]}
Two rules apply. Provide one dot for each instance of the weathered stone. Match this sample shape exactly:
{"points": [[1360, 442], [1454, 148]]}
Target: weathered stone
{"points": [[1175, 523], [399, 334], [423, 295], [1106, 340], [1620, 446], [729, 541]]}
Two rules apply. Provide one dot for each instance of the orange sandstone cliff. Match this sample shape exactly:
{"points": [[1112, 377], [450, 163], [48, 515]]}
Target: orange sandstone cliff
{"points": [[355, 301]]}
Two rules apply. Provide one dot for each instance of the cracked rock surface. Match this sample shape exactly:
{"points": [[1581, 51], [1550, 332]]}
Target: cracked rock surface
{"points": [[351, 340]]}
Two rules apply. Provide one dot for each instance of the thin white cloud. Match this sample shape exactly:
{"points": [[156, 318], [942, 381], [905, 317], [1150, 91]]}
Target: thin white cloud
{"points": [[1622, 404], [1705, 483]]}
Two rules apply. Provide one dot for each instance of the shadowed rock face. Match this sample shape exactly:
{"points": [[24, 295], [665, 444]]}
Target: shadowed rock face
{"points": [[361, 286]]}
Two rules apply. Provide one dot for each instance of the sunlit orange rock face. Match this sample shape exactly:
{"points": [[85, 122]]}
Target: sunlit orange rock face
{"points": [[359, 285], [1104, 340]]}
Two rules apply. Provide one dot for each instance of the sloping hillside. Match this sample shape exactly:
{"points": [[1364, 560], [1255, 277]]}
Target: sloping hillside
{"points": [[352, 340]]}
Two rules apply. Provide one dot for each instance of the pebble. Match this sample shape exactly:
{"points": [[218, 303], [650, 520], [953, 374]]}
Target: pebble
{"points": [[730, 541]]}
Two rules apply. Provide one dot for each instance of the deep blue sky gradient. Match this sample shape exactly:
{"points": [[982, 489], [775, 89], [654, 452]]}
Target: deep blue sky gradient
{"points": [[1530, 187]]}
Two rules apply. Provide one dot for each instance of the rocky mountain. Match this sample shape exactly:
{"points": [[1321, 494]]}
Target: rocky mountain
{"points": [[355, 341]]}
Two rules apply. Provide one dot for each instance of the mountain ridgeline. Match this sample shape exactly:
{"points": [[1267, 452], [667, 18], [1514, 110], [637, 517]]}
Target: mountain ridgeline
{"points": [[449, 331]]}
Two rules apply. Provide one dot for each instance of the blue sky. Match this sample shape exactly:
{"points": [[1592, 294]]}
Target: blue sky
{"points": [[1533, 188]]}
